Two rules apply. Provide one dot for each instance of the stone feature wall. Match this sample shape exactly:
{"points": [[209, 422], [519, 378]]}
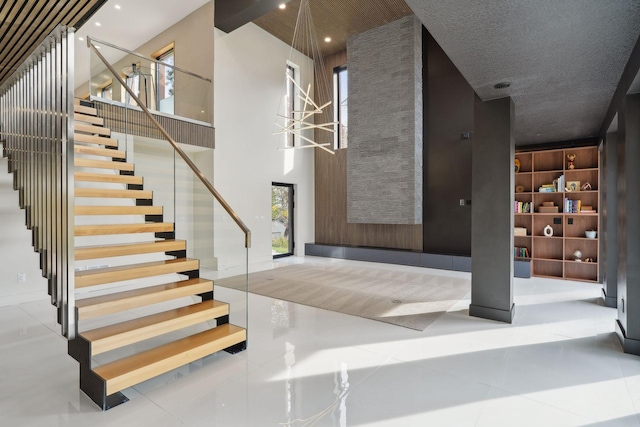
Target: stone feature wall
{"points": [[384, 165]]}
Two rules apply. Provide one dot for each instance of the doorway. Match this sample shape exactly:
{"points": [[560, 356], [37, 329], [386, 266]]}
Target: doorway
{"points": [[282, 225]]}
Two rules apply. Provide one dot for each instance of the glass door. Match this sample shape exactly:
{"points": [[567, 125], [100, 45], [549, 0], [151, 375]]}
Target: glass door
{"points": [[282, 204]]}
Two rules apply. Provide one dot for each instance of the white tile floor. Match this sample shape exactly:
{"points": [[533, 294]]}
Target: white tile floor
{"points": [[559, 364]]}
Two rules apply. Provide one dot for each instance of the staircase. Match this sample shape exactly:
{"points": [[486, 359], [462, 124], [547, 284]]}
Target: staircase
{"points": [[99, 167]]}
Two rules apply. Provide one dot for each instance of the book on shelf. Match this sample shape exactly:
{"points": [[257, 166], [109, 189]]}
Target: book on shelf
{"points": [[572, 206], [522, 207], [547, 189], [521, 252]]}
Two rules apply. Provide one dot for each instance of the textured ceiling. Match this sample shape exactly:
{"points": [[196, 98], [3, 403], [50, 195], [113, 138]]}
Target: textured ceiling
{"points": [[338, 19], [25, 23], [564, 58]]}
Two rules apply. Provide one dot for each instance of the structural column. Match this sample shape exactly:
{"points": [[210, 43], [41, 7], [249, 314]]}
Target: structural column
{"points": [[492, 210], [609, 229], [628, 323]]}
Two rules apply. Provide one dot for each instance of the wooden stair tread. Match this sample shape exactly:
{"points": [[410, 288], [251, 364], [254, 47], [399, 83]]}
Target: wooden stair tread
{"points": [[112, 193], [97, 151], [120, 301], [88, 118], [92, 129], [101, 276], [118, 210], [92, 139], [110, 178], [136, 330], [107, 251], [109, 229], [103, 164], [90, 111], [132, 370]]}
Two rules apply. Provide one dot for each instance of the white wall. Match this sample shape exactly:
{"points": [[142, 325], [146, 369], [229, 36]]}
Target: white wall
{"points": [[17, 255], [249, 79]]}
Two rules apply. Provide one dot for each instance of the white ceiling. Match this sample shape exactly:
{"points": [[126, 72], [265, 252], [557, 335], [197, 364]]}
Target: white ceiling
{"points": [[135, 23]]}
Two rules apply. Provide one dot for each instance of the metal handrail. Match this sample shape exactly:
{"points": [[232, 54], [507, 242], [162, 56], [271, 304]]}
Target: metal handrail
{"points": [[174, 144], [139, 55]]}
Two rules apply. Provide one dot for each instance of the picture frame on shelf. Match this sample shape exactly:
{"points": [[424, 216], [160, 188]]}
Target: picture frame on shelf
{"points": [[573, 186]]}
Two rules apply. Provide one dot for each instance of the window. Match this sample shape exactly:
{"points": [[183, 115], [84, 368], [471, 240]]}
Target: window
{"points": [[290, 106], [107, 91], [165, 76], [340, 110]]}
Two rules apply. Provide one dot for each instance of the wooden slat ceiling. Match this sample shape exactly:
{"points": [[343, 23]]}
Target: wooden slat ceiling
{"points": [[338, 19], [26, 23]]}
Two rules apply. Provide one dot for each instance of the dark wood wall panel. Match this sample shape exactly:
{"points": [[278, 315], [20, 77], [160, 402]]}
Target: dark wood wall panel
{"points": [[331, 212]]}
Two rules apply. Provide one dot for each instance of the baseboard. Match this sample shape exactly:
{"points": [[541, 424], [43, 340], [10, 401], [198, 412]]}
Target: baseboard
{"points": [[629, 345], [497, 314], [522, 269], [609, 301]]}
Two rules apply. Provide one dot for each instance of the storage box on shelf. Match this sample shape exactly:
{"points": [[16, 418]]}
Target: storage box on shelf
{"points": [[541, 182]]}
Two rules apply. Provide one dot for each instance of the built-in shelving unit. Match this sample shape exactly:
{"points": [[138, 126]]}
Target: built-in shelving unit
{"points": [[540, 179]]}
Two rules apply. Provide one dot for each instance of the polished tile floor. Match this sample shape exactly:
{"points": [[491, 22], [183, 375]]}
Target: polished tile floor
{"points": [[559, 364]]}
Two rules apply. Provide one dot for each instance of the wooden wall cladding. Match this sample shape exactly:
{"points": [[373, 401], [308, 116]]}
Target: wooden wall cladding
{"points": [[331, 212]]}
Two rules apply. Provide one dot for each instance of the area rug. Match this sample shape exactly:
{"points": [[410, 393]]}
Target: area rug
{"points": [[409, 299]]}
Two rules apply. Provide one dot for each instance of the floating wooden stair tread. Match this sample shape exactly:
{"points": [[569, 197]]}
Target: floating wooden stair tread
{"points": [[91, 139], [110, 229], [108, 251], [133, 331], [88, 118], [96, 151], [103, 164], [113, 194], [85, 110], [120, 301], [110, 178], [101, 276], [94, 130], [118, 210], [133, 370]]}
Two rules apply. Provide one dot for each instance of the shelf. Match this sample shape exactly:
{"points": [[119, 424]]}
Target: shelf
{"points": [[581, 170], [580, 238], [548, 259]]}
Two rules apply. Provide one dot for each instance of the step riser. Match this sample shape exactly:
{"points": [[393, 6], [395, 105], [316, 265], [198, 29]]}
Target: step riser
{"points": [[136, 273], [103, 152], [160, 367], [88, 118], [102, 164], [91, 139], [110, 179], [79, 127], [113, 194]]}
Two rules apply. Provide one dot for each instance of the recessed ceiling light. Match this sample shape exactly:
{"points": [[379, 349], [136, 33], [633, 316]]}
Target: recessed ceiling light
{"points": [[117, 6], [282, 6], [501, 85], [97, 47], [327, 39], [81, 39], [98, 24]]}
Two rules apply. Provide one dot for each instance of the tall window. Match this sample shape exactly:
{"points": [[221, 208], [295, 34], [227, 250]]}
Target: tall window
{"points": [[290, 105], [340, 110], [107, 91], [166, 78]]}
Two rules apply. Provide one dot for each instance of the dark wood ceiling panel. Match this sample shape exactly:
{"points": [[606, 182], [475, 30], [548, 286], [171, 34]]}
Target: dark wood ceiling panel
{"points": [[25, 24], [338, 19]]}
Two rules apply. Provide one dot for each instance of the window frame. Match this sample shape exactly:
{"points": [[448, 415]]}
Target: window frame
{"points": [[338, 143]]}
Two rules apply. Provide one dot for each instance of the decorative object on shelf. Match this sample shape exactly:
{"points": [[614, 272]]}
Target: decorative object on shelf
{"points": [[590, 234], [519, 188], [547, 207], [302, 121], [577, 255], [586, 187], [548, 231], [589, 259], [519, 231], [573, 186], [517, 165], [570, 159]]}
